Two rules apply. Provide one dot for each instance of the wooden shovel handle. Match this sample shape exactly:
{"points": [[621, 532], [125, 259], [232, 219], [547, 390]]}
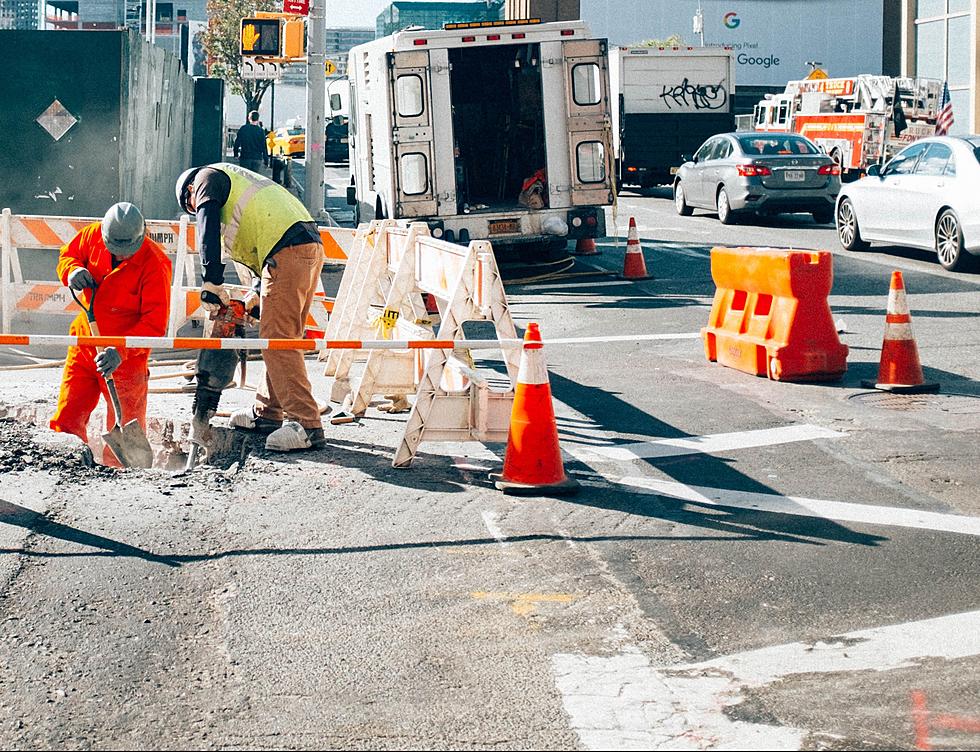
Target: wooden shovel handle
{"points": [[94, 328]]}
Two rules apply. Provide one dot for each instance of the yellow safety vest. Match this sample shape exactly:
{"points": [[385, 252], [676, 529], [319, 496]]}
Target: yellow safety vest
{"points": [[256, 215]]}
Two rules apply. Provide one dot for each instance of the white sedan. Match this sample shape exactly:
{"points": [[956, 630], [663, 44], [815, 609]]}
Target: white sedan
{"points": [[927, 196]]}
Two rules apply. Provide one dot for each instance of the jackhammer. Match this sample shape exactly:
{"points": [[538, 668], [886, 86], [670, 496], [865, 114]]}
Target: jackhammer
{"points": [[215, 372]]}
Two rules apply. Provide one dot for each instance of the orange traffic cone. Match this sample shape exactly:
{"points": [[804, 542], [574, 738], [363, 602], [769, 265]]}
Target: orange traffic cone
{"points": [[634, 267], [585, 247], [533, 464], [900, 370]]}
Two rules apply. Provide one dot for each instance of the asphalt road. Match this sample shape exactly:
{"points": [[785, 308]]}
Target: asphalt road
{"points": [[748, 564]]}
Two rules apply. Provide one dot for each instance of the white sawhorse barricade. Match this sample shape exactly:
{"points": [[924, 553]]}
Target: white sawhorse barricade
{"points": [[389, 272]]}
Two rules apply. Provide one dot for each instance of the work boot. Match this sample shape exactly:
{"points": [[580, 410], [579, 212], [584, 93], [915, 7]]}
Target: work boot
{"points": [[293, 437], [247, 420]]}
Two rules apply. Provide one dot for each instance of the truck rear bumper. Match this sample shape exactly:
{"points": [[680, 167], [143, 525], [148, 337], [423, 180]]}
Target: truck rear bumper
{"points": [[506, 228]]}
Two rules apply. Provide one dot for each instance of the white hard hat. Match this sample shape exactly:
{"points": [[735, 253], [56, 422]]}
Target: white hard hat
{"points": [[123, 229]]}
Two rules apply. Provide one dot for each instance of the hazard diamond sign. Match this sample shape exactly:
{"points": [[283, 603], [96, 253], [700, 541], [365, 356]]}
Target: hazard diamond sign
{"points": [[299, 7]]}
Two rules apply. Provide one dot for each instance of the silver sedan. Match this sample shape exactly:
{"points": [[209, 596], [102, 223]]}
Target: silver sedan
{"points": [[927, 196], [762, 173]]}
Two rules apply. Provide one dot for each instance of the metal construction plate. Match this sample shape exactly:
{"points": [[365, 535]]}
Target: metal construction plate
{"points": [[56, 120], [952, 411]]}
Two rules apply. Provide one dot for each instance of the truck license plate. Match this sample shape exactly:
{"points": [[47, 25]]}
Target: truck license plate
{"points": [[504, 226], [795, 176]]}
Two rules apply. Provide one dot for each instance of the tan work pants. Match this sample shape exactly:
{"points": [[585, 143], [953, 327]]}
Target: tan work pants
{"points": [[288, 284]]}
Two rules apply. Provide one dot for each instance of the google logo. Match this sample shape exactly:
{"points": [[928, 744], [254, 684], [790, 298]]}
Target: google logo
{"points": [[732, 20]]}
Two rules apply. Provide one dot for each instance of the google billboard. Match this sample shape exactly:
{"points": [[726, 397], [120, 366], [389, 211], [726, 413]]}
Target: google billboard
{"points": [[773, 40]]}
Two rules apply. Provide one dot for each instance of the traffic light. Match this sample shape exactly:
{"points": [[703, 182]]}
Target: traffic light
{"points": [[282, 37], [261, 36]]}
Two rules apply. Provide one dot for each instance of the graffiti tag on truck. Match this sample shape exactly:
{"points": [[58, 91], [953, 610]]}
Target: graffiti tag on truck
{"points": [[698, 96]]}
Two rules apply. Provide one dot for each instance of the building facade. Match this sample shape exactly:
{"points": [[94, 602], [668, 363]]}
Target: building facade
{"points": [[941, 39], [340, 40], [433, 15], [54, 15], [773, 41], [546, 10]]}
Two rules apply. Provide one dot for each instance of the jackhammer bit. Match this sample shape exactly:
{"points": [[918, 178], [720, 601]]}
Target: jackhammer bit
{"points": [[215, 372]]}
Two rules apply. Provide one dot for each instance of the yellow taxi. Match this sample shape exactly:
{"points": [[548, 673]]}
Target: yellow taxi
{"points": [[288, 142]]}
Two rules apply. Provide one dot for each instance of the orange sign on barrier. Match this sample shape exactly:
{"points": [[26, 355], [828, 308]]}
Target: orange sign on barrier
{"points": [[770, 315]]}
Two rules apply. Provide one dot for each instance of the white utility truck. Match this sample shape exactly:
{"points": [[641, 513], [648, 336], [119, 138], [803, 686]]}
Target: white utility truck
{"points": [[667, 101], [495, 131]]}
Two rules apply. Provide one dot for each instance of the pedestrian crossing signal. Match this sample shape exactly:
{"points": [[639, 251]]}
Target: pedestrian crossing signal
{"points": [[261, 37]]}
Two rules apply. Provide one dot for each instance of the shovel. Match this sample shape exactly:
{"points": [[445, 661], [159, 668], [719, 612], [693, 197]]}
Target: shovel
{"points": [[128, 443]]}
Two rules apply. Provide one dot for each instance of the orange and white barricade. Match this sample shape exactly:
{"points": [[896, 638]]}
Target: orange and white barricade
{"points": [[31, 303], [28, 303]]}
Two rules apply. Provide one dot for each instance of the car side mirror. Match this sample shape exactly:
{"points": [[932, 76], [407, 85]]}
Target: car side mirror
{"points": [[688, 158], [874, 171]]}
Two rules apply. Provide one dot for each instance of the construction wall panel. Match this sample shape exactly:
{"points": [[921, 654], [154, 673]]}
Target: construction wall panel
{"points": [[157, 120], [116, 120]]}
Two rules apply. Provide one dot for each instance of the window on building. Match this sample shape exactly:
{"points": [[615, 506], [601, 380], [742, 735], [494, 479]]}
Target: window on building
{"points": [[943, 36]]}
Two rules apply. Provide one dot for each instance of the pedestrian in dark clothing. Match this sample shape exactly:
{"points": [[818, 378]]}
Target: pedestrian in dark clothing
{"points": [[250, 148]]}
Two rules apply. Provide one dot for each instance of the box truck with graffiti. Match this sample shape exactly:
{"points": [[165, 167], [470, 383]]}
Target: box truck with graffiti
{"points": [[666, 102]]}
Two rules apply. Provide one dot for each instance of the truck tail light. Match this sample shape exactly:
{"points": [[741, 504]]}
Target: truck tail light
{"points": [[469, 39], [493, 37], [829, 169], [520, 35], [567, 32], [753, 171], [420, 42]]}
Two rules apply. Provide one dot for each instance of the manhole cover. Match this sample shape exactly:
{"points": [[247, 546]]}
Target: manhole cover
{"points": [[950, 404], [56, 120]]}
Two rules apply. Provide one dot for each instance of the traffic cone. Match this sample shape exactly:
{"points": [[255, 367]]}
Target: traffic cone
{"points": [[900, 370], [533, 464], [585, 247], [634, 267]]}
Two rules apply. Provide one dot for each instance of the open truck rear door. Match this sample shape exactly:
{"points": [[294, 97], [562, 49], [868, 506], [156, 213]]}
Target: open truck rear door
{"points": [[589, 121], [412, 134]]}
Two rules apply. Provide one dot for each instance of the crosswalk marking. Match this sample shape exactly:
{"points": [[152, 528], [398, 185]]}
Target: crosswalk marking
{"points": [[712, 444]]}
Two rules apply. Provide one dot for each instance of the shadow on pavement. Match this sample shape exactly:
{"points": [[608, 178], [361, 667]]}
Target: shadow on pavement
{"points": [[608, 409], [13, 514]]}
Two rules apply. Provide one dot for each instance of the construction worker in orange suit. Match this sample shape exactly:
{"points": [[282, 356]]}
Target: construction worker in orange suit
{"points": [[129, 275]]}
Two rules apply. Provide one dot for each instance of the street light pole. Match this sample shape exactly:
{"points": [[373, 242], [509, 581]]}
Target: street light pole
{"points": [[316, 42]]}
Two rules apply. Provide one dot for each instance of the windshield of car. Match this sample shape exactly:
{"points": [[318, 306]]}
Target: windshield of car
{"points": [[754, 144], [294, 131]]}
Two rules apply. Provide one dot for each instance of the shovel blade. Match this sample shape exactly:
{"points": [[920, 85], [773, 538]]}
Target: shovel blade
{"points": [[130, 445]]}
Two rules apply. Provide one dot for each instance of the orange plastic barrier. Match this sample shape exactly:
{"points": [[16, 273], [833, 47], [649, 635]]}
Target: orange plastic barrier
{"points": [[770, 315]]}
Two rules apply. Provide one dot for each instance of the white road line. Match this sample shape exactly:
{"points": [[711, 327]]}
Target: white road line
{"points": [[622, 338], [622, 702], [712, 444], [575, 285], [491, 522], [839, 511]]}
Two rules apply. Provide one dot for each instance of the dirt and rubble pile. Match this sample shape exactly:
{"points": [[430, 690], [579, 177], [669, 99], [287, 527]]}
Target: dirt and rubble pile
{"points": [[26, 447]]}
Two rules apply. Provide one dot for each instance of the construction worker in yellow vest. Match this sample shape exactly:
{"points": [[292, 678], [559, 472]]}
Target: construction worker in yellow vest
{"points": [[263, 226]]}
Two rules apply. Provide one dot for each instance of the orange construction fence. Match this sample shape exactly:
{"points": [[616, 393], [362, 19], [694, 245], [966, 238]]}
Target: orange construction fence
{"points": [[771, 316]]}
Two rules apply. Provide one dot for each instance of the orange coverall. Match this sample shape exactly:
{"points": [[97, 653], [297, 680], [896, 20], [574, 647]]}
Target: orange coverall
{"points": [[133, 300]]}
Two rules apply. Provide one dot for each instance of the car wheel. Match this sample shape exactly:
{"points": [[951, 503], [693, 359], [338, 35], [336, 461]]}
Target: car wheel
{"points": [[725, 214], [680, 201], [949, 244], [848, 231], [823, 216]]}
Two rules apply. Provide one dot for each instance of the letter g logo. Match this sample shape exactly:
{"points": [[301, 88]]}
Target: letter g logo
{"points": [[732, 20]]}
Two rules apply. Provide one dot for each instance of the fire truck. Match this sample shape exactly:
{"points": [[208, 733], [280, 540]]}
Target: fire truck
{"points": [[858, 121]]}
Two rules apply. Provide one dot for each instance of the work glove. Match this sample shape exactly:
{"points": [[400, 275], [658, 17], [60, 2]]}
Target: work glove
{"points": [[213, 297], [107, 361], [80, 279], [251, 303]]}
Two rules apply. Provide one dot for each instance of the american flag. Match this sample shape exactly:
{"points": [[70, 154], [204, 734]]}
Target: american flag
{"points": [[944, 120]]}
